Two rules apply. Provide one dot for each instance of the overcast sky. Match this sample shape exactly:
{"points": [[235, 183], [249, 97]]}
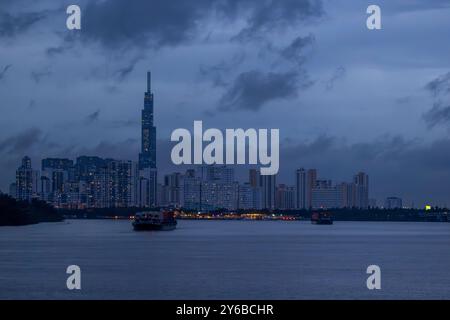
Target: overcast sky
{"points": [[345, 98]]}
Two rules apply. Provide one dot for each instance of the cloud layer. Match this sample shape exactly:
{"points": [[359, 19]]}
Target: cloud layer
{"points": [[345, 98]]}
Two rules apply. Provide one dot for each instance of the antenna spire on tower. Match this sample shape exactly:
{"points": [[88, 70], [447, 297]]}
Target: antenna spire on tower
{"points": [[149, 82]]}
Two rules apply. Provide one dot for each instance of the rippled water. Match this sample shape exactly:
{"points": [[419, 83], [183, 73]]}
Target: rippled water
{"points": [[226, 260]]}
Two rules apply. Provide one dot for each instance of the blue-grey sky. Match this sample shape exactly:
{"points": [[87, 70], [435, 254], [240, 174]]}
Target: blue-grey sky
{"points": [[344, 97]]}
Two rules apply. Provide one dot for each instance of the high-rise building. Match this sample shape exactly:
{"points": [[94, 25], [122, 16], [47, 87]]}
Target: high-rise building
{"points": [[120, 183], [147, 187], [55, 176], [346, 194], [325, 195], [112, 186], [285, 197], [218, 189], [254, 178], [300, 189], [147, 157], [100, 189], [27, 181], [361, 181], [162, 195], [249, 197], [173, 187], [268, 183], [148, 176], [192, 190], [85, 167], [311, 177]]}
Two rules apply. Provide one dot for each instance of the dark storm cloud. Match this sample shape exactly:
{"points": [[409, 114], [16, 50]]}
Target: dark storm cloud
{"points": [[4, 70], [53, 51], [123, 72], [69, 40], [20, 143], [337, 74], [437, 115], [439, 85], [253, 89], [93, 117], [266, 16], [12, 25], [295, 51], [217, 73], [118, 23]]}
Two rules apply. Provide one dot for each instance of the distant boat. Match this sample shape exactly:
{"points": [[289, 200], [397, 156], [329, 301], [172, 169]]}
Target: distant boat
{"points": [[154, 220], [322, 218]]}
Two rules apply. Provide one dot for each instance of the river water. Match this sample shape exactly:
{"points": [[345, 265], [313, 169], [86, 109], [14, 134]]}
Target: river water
{"points": [[226, 260]]}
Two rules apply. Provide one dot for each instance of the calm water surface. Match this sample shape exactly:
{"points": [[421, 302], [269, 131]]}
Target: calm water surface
{"points": [[226, 260]]}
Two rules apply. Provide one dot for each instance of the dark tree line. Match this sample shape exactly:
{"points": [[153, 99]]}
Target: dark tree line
{"points": [[17, 213]]}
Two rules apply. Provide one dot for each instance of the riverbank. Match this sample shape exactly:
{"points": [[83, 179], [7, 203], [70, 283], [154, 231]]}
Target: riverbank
{"points": [[20, 213]]}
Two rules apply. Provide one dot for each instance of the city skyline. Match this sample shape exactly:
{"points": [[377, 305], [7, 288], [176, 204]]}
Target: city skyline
{"points": [[345, 98], [93, 181]]}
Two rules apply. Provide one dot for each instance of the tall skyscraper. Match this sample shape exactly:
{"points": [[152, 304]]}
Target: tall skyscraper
{"points": [[120, 183], [311, 177], [300, 189], [192, 190], [173, 186], [347, 194], [113, 186], [86, 173], [55, 174], [361, 181], [148, 187], [268, 188], [147, 157], [254, 178], [26, 181]]}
